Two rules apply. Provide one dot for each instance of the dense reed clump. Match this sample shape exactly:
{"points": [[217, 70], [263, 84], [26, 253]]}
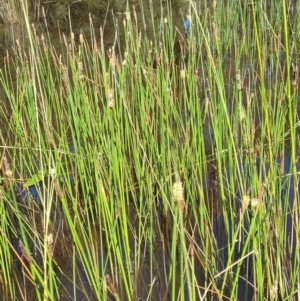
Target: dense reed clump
{"points": [[163, 166]]}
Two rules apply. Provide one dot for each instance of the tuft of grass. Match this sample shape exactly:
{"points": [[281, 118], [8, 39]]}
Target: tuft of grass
{"points": [[161, 166]]}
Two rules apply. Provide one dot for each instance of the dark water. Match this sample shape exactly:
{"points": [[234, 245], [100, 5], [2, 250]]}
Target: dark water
{"points": [[101, 13], [288, 189]]}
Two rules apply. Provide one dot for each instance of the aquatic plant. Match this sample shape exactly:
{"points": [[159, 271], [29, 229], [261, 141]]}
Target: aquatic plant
{"points": [[159, 167]]}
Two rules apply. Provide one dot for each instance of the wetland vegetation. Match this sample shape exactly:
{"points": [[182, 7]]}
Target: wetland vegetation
{"points": [[151, 160]]}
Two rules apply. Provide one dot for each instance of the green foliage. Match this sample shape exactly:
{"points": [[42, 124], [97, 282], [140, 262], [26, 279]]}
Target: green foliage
{"points": [[161, 160]]}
